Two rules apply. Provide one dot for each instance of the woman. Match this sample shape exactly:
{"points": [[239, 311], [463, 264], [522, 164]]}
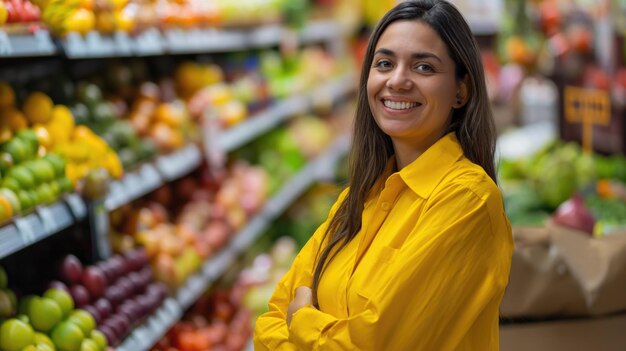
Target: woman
{"points": [[415, 254]]}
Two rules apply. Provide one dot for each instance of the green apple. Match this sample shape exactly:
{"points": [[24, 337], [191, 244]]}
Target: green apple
{"points": [[63, 298], [44, 314], [89, 345], [41, 338], [24, 304], [15, 335], [100, 339], [83, 319], [67, 336]]}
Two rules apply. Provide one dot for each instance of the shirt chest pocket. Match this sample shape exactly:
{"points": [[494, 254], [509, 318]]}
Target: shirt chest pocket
{"points": [[371, 278]]}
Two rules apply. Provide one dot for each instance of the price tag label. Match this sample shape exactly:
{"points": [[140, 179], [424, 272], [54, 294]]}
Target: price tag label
{"points": [[149, 42], [75, 45], [10, 240], [26, 229], [123, 43], [43, 41], [50, 224], [133, 185], [6, 49], [77, 205], [150, 176]]}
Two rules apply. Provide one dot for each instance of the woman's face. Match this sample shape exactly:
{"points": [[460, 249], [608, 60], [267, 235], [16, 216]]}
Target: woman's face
{"points": [[412, 86]]}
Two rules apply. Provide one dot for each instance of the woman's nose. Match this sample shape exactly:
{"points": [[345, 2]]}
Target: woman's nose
{"points": [[399, 80]]}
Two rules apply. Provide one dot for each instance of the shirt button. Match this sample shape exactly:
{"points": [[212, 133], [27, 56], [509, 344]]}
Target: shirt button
{"points": [[385, 206]]}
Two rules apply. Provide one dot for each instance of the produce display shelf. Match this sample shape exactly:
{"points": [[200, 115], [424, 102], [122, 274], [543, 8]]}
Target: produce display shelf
{"points": [[249, 130], [150, 176], [149, 333], [181, 41], [45, 220], [37, 43]]}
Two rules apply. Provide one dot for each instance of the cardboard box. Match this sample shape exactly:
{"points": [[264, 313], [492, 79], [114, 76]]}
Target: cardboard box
{"points": [[589, 334]]}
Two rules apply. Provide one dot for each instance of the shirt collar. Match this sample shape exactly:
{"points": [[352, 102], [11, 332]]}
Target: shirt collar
{"points": [[425, 172]]}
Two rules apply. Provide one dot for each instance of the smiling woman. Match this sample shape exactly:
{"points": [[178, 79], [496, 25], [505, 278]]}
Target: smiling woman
{"points": [[416, 252], [413, 87]]}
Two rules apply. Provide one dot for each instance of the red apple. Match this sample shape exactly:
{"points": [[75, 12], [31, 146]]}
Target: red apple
{"points": [[93, 311], [114, 294], [95, 281], [104, 307], [110, 334], [71, 270], [56, 284], [80, 295]]}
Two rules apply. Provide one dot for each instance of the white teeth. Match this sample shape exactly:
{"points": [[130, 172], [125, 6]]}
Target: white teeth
{"points": [[399, 105]]}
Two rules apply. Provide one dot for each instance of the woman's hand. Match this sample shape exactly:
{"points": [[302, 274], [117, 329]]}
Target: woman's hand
{"points": [[303, 297]]}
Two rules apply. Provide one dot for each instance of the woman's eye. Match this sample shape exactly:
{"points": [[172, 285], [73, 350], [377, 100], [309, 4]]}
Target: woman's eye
{"points": [[424, 68], [383, 64]]}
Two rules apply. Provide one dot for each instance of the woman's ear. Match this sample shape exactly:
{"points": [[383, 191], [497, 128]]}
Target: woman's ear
{"points": [[462, 92]]}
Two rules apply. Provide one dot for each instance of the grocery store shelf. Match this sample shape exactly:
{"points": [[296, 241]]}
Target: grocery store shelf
{"points": [[249, 130], [43, 222], [38, 43], [155, 42], [149, 176], [179, 163], [148, 334]]}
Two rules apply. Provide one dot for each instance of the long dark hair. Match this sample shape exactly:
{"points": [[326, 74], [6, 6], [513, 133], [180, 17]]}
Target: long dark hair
{"points": [[371, 147]]}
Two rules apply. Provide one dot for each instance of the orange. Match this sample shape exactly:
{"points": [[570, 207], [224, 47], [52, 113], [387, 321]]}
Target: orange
{"points": [[7, 209], [7, 95], [5, 133], [87, 4], [82, 132], [15, 119], [38, 107]]}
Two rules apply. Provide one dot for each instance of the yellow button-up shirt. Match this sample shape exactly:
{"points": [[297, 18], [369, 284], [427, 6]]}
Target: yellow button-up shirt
{"points": [[426, 272]]}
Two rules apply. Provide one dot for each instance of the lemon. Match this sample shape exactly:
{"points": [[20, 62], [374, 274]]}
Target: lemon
{"points": [[63, 117], [38, 107], [81, 21]]}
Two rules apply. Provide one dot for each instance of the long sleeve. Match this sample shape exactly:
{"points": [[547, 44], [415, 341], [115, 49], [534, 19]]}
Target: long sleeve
{"points": [[447, 279], [271, 331]]}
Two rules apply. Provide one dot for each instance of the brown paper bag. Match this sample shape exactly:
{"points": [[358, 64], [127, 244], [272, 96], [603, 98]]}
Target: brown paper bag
{"points": [[559, 272]]}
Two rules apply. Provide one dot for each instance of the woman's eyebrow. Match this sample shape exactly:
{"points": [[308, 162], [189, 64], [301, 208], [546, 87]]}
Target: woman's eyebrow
{"points": [[417, 55]]}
